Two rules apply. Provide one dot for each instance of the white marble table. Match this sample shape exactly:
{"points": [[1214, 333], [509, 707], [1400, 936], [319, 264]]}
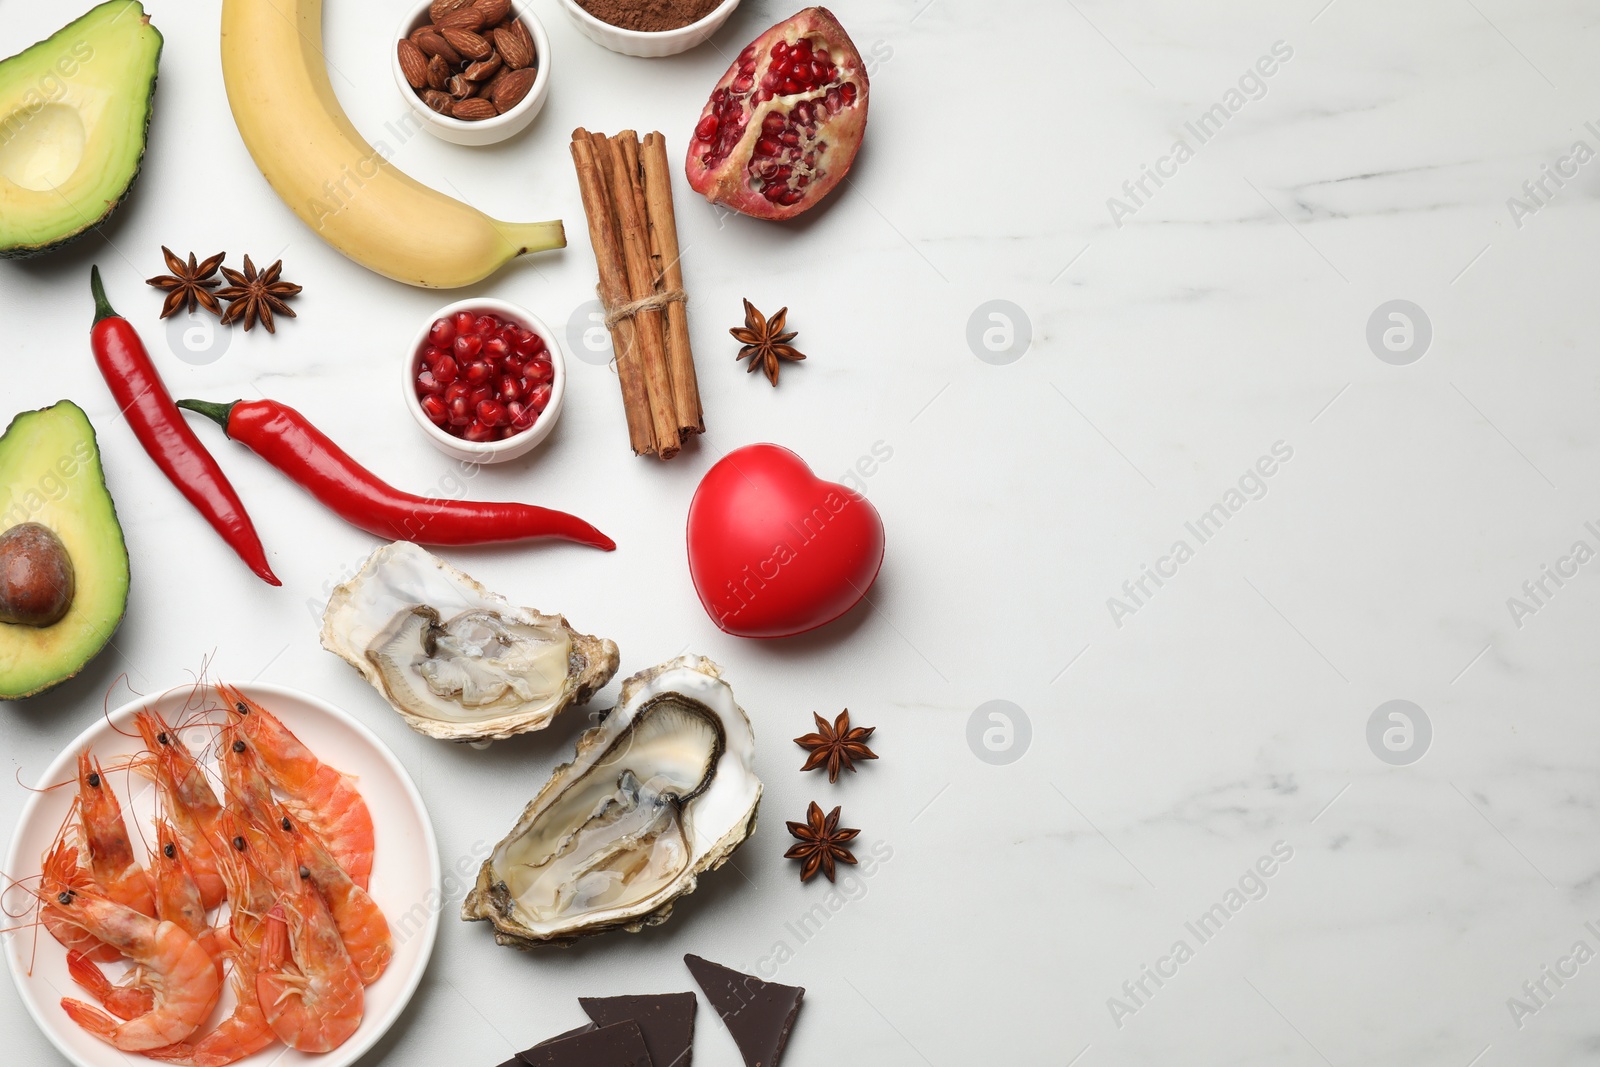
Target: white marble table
{"points": [[1196, 767]]}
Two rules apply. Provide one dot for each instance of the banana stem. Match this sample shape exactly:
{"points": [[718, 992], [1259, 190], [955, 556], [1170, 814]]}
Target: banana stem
{"points": [[533, 236]]}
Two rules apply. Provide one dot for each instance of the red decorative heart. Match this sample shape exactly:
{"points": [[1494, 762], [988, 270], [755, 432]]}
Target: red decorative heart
{"points": [[773, 549]]}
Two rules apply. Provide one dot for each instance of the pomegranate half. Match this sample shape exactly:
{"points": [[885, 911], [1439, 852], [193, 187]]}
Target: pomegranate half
{"points": [[785, 122]]}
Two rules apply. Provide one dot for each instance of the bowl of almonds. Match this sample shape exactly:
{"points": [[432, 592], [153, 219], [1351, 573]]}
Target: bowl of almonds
{"points": [[474, 71]]}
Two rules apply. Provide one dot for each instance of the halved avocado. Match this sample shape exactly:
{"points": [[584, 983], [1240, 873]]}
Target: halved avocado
{"points": [[50, 474], [74, 115]]}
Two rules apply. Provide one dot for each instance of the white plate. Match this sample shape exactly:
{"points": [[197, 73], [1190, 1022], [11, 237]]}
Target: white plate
{"points": [[405, 875]]}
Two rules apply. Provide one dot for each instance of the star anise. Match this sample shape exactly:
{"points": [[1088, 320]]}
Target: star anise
{"points": [[764, 341], [189, 285], [821, 843], [253, 296], [838, 746]]}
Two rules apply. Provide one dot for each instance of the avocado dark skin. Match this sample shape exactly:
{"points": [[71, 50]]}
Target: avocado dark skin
{"points": [[37, 583]]}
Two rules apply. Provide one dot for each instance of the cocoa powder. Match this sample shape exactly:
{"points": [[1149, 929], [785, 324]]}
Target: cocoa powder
{"points": [[649, 16]]}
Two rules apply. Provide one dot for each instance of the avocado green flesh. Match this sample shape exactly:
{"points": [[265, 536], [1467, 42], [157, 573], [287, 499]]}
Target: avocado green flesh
{"points": [[74, 114], [50, 474]]}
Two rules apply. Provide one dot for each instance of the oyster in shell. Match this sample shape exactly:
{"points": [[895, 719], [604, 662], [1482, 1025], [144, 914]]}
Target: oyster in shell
{"points": [[456, 661], [663, 789]]}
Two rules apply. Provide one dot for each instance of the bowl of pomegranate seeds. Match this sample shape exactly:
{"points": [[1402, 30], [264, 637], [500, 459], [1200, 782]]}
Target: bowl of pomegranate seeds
{"points": [[485, 380]]}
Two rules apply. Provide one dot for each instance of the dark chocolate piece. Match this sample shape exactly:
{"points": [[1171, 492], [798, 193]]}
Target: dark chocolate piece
{"points": [[621, 1045], [574, 1032], [666, 1019], [758, 1014]]}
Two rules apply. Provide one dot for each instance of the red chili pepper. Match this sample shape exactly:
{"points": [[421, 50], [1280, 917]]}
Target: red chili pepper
{"points": [[286, 439], [162, 430]]}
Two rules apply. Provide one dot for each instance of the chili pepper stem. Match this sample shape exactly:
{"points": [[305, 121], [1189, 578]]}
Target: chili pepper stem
{"points": [[217, 413], [102, 306]]}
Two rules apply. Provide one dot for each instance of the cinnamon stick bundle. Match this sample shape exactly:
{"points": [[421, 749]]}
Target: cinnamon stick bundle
{"points": [[627, 197]]}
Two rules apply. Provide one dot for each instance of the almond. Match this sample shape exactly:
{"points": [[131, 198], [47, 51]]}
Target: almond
{"points": [[413, 64], [493, 11], [474, 109], [486, 90], [461, 88], [467, 43], [516, 53], [416, 34], [513, 89], [468, 18], [483, 69], [437, 45], [440, 102], [438, 73], [440, 8]]}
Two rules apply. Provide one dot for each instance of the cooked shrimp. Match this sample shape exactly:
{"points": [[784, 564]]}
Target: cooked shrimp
{"points": [[112, 862], [181, 976], [307, 985], [251, 891], [321, 797], [187, 799], [244, 1033], [362, 926], [75, 941], [361, 923]]}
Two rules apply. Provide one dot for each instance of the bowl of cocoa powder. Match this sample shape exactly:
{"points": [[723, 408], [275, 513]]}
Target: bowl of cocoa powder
{"points": [[649, 28]]}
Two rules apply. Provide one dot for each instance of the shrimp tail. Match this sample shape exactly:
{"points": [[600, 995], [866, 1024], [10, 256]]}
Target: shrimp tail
{"points": [[124, 1001], [90, 1018]]}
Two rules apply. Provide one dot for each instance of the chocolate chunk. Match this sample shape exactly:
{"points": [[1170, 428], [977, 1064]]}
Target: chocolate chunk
{"points": [[621, 1045], [574, 1032], [758, 1014], [666, 1020]]}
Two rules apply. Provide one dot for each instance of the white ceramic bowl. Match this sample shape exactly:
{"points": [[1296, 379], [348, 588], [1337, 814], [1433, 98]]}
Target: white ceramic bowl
{"points": [[487, 451], [406, 879], [649, 45], [483, 131]]}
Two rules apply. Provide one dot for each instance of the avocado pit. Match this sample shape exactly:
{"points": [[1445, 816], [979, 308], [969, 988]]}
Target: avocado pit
{"points": [[37, 582]]}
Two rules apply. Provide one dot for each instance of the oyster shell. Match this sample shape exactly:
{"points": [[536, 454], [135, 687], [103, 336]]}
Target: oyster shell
{"points": [[456, 661], [663, 789]]}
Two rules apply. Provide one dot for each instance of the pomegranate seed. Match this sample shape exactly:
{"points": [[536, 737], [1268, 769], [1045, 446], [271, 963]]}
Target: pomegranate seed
{"points": [[540, 370], [707, 128], [428, 385], [530, 346], [496, 349], [467, 347], [508, 389], [748, 55], [780, 49], [802, 113], [790, 138], [464, 321], [539, 397], [478, 372], [486, 325], [849, 91], [434, 408], [457, 391], [441, 333], [444, 368], [742, 84], [766, 147], [479, 394], [772, 123], [476, 431], [492, 413], [460, 412]]}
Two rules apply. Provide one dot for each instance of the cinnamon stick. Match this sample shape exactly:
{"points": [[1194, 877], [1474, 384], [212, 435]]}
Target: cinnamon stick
{"points": [[628, 195], [614, 287], [669, 265]]}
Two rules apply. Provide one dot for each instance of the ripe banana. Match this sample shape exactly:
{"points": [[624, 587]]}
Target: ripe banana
{"points": [[339, 185]]}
